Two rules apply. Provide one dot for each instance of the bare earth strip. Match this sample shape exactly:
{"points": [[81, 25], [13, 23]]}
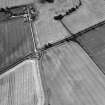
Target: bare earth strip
{"points": [[90, 13], [72, 77]]}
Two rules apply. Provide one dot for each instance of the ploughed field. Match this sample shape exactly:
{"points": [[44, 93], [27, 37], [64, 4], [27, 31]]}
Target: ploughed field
{"points": [[72, 77]]}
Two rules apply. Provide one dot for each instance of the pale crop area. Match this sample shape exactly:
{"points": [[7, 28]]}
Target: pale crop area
{"points": [[94, 43], [15, 41], [10, 3], [47, 29], [72, 77], [21, 85], [90, 13]]}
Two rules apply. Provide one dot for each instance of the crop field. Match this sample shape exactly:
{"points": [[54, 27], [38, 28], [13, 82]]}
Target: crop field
{"points": [[48, 30], [72, 77], [94, 44], [15, 41], [20, 86], [90, 13], [44, 60], [10, 3]]}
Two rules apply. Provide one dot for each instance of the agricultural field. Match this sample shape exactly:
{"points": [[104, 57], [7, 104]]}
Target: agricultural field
{"points": [[12, 3], [93, 43], [43, 58], [15, 41], [48, 30], [72, 77], [76, 16], [21, 85], [90, 13]]}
